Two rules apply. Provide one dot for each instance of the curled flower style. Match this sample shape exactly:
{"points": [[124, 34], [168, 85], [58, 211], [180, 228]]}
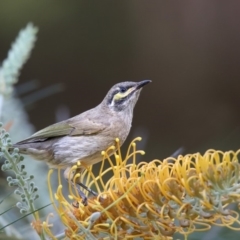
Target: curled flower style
{"points": [[152, 200]]}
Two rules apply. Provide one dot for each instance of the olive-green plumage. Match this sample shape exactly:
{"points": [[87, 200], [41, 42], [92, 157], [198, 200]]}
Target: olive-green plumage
{"points": [[85, 136]]}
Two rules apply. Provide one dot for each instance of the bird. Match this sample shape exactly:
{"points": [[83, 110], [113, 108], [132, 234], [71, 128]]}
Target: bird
{"points": [[83, 137]]}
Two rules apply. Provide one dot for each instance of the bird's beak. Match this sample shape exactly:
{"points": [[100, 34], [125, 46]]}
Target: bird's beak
{"points": [[137, 86], [142, 83]]}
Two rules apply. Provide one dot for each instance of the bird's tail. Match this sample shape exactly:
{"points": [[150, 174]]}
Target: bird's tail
{"points": [[10, 149]]}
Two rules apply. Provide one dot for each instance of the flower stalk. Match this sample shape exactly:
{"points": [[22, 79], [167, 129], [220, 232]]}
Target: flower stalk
{"points": [[26, 188]]}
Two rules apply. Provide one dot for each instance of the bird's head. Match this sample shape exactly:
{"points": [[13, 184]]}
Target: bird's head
{"points": [[123, 96]]}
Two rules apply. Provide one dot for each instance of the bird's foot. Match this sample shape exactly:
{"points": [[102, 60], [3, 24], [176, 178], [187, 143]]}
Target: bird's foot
{"points": [[81, 194]]}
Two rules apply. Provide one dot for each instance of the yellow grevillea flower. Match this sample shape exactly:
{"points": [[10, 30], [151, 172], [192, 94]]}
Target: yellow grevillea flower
{"points": [[152, 200]]}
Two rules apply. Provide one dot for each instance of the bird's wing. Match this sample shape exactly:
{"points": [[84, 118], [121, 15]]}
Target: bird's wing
{"points": [[73, 127]]}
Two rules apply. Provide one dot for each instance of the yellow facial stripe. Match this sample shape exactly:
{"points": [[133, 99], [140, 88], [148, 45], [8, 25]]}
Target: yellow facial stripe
{"points": [[119, 95]]}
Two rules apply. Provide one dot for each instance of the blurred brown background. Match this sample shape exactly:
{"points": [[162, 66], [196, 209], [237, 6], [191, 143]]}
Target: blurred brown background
{"points": [[190, 49]]}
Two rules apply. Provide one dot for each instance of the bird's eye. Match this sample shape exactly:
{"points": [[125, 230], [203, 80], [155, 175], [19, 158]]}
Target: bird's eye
{"points": [[122, 89]]}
